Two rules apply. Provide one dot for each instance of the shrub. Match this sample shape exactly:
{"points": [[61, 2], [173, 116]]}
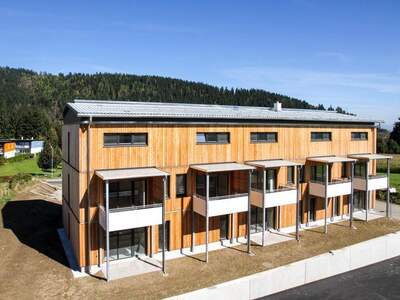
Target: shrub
{"points": [[44, 161]]}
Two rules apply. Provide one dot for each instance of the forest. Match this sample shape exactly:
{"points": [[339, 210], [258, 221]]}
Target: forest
{"points": [[31, 103]]}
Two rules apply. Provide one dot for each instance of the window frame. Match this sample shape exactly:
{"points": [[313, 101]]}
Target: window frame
{"points": [[314, 139], [216, 142], [290, 180], [361, 134], [261, 141], [184, 186], [131, 144]]}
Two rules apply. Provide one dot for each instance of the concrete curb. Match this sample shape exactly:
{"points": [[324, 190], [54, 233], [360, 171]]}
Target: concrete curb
{"points": [[305, 271]]}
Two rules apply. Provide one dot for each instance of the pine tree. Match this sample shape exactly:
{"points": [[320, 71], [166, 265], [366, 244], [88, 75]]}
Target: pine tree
{"points": [[395, 134], [45, 157]]}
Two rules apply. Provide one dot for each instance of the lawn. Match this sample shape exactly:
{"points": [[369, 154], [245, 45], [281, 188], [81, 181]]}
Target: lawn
{"points": [[27, 166], [395, 180]]}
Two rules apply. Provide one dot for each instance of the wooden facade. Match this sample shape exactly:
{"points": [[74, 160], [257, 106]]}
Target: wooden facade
{"points": [[173, 148]]}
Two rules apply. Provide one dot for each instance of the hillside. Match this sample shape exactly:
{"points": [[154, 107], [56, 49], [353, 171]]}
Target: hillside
{"points": [[31, 103]]}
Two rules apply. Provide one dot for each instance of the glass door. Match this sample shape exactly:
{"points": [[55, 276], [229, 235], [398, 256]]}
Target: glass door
{"points": [[139, 188], [256, 219], [270, 185], [359, 200], [311, 210], [124, 244], [223, 227], [139, 241], [270, 215]]}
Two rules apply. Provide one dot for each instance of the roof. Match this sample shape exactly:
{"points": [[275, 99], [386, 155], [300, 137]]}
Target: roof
{"points": [[119, 174], [331, 159], [370, 156], [221, 167], [126, 109], [273, 163]]}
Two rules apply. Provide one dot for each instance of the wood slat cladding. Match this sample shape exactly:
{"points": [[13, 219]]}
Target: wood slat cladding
{"points": [[173, 148]]}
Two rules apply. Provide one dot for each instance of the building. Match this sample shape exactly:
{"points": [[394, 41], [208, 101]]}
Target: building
{"points": [[163, 177], [7, 148], [24, 146]]}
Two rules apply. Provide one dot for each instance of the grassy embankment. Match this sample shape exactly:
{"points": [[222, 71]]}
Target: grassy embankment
{"points": [[16, 175]]}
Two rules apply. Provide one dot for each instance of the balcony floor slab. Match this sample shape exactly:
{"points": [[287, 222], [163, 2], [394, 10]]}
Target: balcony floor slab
{"points": [[132, 266], [271, 237]]}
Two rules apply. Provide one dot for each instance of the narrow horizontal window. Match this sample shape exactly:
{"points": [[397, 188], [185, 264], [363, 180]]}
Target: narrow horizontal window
{"points": [[264, 137], [321, 136], [359, 136], [212, 138], [125, 139]]}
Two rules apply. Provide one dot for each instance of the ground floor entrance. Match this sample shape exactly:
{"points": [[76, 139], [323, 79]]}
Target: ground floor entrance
{"points": [[359, 200], [128, 243], [256, 218], [224, 227]]}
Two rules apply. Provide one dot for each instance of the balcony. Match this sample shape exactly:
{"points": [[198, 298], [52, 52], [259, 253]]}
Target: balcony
{"points": [[221, 205], [282, 196], [375, 182], [132, 217], [337, 187]]}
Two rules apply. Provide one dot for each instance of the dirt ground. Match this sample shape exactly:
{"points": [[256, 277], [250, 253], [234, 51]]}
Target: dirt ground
{"points": [[32, 263]]}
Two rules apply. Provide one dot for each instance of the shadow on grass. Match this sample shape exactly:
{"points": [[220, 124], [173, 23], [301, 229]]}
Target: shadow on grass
{"points": [[35, 223]]}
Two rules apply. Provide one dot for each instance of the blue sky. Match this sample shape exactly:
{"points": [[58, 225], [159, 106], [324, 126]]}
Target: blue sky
{"points": [[344, 53]]}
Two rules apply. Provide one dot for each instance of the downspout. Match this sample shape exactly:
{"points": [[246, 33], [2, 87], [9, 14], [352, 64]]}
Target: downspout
{"points": [[89, 242]]}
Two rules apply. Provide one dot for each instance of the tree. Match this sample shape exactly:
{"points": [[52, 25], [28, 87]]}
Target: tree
{"points": [[45, 157], [395, 134], [393, 147]]}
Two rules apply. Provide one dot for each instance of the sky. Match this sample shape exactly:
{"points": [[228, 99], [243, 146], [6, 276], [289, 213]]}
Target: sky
{"points": [[344, 53]]}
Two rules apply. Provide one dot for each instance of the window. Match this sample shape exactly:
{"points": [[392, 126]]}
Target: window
{"points": [[181, 185], [359, 169], [344, 170], [318, 173], [290, 175], [68, 189], [271, 183], [321, 136], [212, 138], [359, 136], [218, 185], [125, 139], [257, 180], [68, 146], [160, 236], [302, 178], [264, 137], [127, 193]]}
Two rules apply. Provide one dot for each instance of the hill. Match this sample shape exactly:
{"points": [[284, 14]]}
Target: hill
{"points": [[31, 103]]}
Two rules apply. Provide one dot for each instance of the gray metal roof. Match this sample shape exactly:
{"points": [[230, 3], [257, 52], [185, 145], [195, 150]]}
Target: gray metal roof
{"points": [[126, 109]]}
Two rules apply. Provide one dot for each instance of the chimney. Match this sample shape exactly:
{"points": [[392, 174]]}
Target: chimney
{"points": [[277, 106]]}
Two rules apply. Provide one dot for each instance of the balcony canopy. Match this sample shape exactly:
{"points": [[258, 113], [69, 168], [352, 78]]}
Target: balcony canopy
{"points": [[331, 159], [221, 167], [273, 163], [369, 156], [120, 174]]}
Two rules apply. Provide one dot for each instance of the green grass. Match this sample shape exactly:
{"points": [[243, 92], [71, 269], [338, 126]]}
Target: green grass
{"points": [[27, 166], [394, 164], [395, 180]]}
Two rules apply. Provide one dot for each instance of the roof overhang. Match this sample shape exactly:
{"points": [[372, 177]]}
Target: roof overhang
{"points": [[273, 163], [119, 174], [330, 159], [221, 167], [369, 156]]}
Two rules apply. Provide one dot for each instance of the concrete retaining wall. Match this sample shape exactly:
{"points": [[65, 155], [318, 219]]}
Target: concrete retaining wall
{"points": [[304, 271]]}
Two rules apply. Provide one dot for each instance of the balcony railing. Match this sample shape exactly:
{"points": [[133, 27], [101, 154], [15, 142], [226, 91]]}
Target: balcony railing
{"points": [[222, 197], [279, 189], [135, 207], [333, 181]]}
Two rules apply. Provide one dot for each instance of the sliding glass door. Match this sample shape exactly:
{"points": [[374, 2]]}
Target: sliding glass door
{"points": [[128, 243]]}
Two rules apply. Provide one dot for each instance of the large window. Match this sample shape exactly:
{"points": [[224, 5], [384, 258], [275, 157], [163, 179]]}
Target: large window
{"points": [[264, 137], [321, 136], [219, 185], [344, 170], [318, 173], [359, 136], [128, 243], [181, 185], [360, 169], [212, 138], [127, 193], [125, 139]]}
